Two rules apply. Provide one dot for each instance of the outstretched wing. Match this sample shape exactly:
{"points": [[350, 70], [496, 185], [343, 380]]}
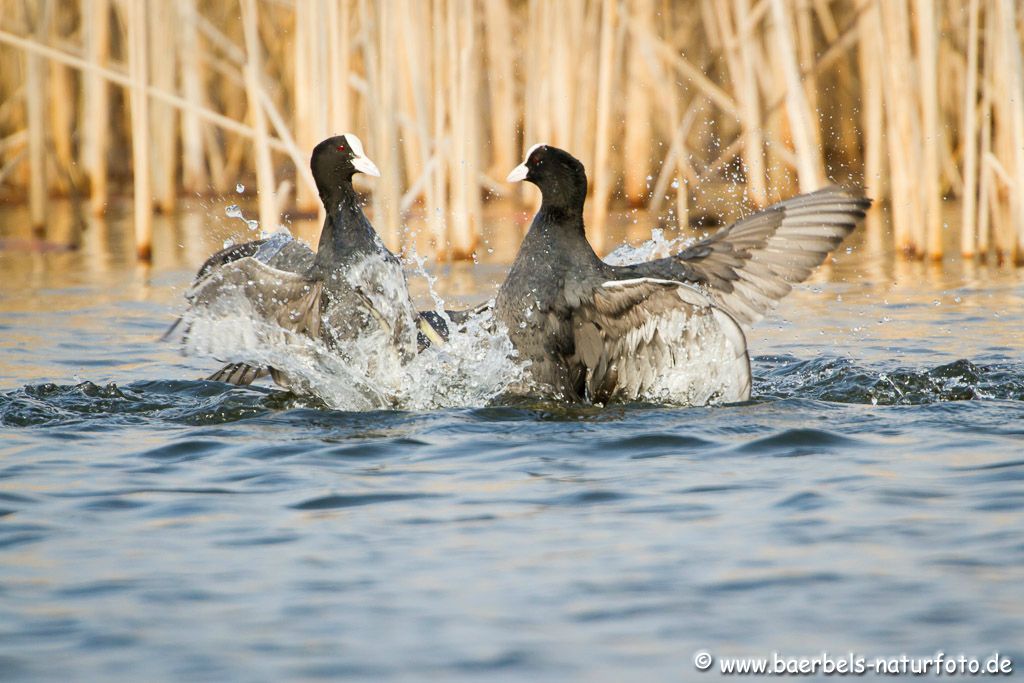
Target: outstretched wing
{"points": [[748, 266], [658, 339], [245, 305]]}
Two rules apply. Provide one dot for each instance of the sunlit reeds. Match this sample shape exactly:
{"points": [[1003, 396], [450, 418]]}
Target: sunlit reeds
{"points": [[918, 100]]}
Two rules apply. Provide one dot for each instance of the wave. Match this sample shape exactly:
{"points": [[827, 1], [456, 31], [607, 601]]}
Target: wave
{"points": [[446, 381]]}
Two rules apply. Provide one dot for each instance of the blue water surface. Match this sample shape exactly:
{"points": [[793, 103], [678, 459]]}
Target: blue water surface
{"points": [[153, 526]]}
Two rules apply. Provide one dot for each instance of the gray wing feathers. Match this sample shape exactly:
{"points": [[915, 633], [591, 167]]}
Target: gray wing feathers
{"points": [[635, 331], [247, 289], [750, 265]]}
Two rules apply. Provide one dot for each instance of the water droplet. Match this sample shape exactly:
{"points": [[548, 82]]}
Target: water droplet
{"points": [[675, 184], [233, 211], [239, 188], [229, 243]]}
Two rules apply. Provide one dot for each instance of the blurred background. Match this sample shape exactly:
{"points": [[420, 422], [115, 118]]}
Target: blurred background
{"points": [[680, 108]]}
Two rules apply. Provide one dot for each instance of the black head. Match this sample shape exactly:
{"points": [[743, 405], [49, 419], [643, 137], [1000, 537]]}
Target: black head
{"points": [[559, 175], [336, 160]]}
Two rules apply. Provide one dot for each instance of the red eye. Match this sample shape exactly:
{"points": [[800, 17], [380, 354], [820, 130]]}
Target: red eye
{"points": [[341, 148]]}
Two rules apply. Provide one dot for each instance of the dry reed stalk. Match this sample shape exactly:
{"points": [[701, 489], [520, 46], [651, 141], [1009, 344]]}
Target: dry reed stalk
{"points": [[190, 64], [872, 115], [694, 74], [841, 98], [587, 81], [534, 72], [339, 68], [559, 90], [465, 205], [986, 186], [601, 172], [221, 120], [1013, 98], [995, 147], [339, 38], [638, 133], [388, 191], [804, 21], [930, 172], [675, 162], [413, 65], [810, 168], [501, 86], [437, 219], [35, 117], [749, 97], [903, 132], [265, 186], [288, 145], [407, 43], [138, 67], [61, 100], [968, 221], [163, 119], [305, 82]]}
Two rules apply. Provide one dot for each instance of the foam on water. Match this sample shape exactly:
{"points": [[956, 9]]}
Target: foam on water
{"points": [[474, 367]]}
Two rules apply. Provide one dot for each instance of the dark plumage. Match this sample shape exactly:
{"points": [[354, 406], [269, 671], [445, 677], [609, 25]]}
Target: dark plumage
{"points": [[591, 330], [352, 287]]}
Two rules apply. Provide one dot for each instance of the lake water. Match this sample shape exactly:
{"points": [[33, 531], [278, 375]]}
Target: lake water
{"points": [[870, 498]]}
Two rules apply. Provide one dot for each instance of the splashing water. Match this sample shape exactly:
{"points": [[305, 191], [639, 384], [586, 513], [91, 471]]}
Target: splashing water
{"points": [[235, 211], [658, 246], [472, 368]]}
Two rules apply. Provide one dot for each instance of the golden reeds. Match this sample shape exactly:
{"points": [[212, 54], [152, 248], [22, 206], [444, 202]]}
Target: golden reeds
{"points": [[138, 68], [920, 100]]}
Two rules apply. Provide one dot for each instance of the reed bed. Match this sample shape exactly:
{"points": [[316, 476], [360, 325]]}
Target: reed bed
{"points": [[921, 101]]}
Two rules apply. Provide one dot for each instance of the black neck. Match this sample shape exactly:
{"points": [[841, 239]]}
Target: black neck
{"points": [[346, 234], [560, 236], [564, 205]]}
